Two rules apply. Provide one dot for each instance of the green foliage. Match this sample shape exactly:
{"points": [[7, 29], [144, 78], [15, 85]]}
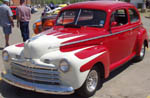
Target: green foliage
{"points": [[127, 0], [54, 1], [0, 1]]}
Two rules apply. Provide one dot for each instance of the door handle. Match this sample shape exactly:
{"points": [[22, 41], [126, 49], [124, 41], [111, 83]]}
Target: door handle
{"points": [[101, 43]]}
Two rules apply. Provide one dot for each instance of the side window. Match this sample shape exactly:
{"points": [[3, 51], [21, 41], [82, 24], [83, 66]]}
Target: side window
{"points": [[133, 15], [67, 17], [119, 16], [86, 15], [94, 18]]}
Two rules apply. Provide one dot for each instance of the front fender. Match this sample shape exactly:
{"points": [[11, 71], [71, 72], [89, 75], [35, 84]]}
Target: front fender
{"points": [[81, 61], [15, 50], [102, 56]]}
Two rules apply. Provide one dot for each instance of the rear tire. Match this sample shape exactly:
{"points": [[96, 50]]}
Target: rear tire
{"points": [[92, 83], [142, 54]]}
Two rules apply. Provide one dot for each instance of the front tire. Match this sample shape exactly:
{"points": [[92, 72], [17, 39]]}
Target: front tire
{"points": [[91, 84]]}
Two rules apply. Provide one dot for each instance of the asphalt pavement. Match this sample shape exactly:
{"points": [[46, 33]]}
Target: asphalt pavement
{"points": [[132, 80]]}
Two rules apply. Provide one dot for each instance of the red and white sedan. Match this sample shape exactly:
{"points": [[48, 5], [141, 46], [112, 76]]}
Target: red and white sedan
{"points": [[88, 41]]}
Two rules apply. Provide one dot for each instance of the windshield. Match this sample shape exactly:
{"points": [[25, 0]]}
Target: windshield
{"points": [[82, 17]]}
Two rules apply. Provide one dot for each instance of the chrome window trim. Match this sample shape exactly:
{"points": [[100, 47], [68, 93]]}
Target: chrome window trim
{"points": [[75, 42], [78, 17]]}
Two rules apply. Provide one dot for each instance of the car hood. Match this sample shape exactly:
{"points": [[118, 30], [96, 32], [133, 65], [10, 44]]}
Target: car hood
{"points": [[53, 39]]}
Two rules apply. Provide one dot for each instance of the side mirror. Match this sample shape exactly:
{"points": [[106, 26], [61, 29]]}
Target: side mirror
{"points": [[114, 24]]}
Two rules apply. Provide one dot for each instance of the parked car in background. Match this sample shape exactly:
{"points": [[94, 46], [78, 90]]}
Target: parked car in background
{"points": [[44, 23], [47, 20], [34, 9], [13, 9], [87, 42]]}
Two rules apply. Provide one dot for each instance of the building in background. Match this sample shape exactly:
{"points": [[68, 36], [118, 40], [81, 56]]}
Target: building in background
{"points": [[17, 2], [138, 3]]}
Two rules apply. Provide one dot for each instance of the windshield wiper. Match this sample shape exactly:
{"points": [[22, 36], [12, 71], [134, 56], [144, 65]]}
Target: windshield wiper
{"points": [[72, 26]]}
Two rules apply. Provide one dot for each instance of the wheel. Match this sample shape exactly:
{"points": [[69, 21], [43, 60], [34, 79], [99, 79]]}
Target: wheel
{"points": [[142, 54], [91, 84]]}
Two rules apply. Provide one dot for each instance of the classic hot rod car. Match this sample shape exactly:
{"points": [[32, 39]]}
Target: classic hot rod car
{"points": [[88, 41]]}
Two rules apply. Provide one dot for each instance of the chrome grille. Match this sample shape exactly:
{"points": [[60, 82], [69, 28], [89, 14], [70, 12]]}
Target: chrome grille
{"points": [[50, 76]]}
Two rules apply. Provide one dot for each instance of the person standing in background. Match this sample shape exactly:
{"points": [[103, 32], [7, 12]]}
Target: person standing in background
{"points": [[6, 20], [147, 3], [23, 18]]}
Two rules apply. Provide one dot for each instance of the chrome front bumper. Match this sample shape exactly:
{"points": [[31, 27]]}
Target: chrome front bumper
{"points": [[42, 88]]}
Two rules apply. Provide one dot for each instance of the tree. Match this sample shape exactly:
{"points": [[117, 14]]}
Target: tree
{"points": [[0, 1], [34, 2]]}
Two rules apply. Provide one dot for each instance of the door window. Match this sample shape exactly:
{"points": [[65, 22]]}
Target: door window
{"points": [[119, 16], [133, 15]]}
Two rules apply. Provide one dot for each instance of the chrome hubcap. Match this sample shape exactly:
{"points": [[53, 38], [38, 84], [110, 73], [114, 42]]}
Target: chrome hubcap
{"points": [[142, 51], [92, 81]]}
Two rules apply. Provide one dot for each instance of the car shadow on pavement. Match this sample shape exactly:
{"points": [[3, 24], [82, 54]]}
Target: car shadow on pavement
{"points": [[8, 91], [120, 69]]}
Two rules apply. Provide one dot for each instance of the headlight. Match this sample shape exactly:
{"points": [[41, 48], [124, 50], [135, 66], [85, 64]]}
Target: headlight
{"points": [[47, 61], [5, 56], [64, 66]]}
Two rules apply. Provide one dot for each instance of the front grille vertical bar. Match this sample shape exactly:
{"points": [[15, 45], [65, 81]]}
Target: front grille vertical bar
{"points": [[30, 67]]}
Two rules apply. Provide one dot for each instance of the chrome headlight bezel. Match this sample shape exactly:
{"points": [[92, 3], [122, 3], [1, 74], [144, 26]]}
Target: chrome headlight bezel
{"points": [[47, 61], [5, 56], [64, 65]]}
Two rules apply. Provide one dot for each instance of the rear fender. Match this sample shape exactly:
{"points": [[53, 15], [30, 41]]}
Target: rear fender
{"points": [[141, 38]]}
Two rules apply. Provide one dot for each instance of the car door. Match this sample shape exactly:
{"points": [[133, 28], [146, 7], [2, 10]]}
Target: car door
{"points": [[135, 25], [119, 44]]}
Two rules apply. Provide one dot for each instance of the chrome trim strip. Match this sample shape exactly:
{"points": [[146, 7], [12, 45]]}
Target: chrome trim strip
{"points": [[27, 74], [34, 78], [44, 71], [48, 89], [99, 36], [33, 64]]}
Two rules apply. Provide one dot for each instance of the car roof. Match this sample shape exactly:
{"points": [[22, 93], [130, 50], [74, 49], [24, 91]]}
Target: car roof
{"points": [[103, 5]]}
